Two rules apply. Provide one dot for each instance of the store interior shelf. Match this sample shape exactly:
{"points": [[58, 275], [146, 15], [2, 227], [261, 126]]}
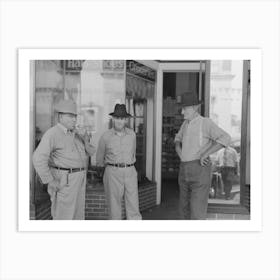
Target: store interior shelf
{"points": [[169, 175], [171, 123]]}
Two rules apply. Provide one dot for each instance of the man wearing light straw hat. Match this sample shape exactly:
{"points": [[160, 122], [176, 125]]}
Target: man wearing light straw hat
{"points": [[61, 161]]}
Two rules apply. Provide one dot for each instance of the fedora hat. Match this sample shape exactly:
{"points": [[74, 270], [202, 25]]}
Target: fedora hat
{"points": [[120, 112], [190, 99], [66, 106]]}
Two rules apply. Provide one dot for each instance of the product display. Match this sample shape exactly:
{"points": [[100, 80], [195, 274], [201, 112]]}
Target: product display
{"points": [[172, 120]]}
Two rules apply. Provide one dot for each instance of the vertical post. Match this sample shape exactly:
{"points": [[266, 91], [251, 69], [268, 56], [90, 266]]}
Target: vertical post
{"points": [[144, 139], [149, 139], [63, 76], [125, 82], [200, 79], [158, 132], [32, 133], [244, 123], [207, 88]]}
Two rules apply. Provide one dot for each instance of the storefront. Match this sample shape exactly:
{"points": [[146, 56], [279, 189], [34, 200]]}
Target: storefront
{"points": [[151, 91], [224, 88]]}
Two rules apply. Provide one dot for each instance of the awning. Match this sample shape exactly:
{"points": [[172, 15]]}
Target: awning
{"points": [[139, 88]]}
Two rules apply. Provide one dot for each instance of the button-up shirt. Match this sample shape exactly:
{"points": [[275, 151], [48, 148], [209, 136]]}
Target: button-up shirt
{"points": [[58, 147], [115, 148], [198, 135]]}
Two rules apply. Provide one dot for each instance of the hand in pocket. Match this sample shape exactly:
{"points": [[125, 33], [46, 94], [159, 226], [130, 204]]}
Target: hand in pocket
{"points": [[54, 185]]}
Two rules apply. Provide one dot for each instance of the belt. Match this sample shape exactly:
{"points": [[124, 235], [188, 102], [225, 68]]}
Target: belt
{"points": [[120, 164], [71, 170]]}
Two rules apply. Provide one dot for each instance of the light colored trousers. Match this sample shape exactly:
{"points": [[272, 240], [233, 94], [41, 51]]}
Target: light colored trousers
{"points": [[194, 182], [122, 183], [69, 202]]}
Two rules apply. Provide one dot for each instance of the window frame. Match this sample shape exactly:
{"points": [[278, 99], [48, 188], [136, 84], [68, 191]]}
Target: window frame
{"points": [[240, 208]]}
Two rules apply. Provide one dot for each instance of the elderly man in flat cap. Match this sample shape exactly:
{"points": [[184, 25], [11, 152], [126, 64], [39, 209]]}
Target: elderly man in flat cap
{"points": [[197, 139], [61, 161], [116, 151]]}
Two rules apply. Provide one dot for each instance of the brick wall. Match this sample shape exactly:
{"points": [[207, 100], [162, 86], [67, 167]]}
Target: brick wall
{"points": [[41, 211], [96, 205], [147, 196], [221, 216], [247, 197]]}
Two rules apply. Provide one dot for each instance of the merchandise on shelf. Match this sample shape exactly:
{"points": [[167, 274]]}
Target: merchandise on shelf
{"points": [[172, 120]]}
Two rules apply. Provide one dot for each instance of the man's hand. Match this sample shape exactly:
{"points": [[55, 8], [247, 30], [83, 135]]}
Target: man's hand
{"points": [[86, 137], [55, 185], [82, 133], [204, 160], [90, 149]]}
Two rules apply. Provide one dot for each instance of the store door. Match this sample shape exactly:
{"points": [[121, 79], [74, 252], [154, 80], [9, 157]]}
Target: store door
{"points": [[176, 79]]}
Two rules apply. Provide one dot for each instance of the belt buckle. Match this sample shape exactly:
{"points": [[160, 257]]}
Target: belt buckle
{"points": [[121, 165]]}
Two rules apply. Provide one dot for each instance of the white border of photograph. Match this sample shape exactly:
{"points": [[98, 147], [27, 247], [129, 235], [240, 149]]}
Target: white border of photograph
{"points": [[24, 57]]}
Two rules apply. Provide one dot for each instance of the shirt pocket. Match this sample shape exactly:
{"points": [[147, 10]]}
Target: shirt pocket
{"points": [[128, 145], [80, 148], [59, 148]]}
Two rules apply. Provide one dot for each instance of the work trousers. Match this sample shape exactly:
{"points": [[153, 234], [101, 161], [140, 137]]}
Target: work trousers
{"points": [[194, 182], [119, 183], [68, 203], [228, 174]]}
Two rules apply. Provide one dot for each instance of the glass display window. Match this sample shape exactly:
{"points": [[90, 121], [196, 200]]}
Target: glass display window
{"points": [[140, 92], [95, 85], [225, 107]]}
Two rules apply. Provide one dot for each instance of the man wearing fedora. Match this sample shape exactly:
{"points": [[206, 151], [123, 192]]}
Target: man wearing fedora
{"points": [[197, 139], [116, 151], [61, 161]]}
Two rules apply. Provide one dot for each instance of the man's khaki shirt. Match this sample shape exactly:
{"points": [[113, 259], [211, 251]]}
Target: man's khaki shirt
{"points": [[58, 147]]}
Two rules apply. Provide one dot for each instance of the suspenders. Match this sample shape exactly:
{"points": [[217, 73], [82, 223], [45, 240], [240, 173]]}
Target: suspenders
{"points": [[201, 133]]}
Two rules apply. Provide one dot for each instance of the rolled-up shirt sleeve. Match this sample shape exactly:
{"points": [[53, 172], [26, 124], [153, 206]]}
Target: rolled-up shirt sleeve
{"points": [[179, 135], [100, 154], [41, 158], [217, 134]]}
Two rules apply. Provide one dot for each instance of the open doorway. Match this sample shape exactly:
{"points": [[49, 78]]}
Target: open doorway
{"points": [[174, 85], [224, 88]]}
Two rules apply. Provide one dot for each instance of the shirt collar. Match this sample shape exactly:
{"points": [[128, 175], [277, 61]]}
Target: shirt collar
{"points": [[63, 128], [116, 133], [198, 117]]}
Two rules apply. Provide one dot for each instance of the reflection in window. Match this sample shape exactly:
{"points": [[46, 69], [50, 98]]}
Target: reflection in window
{"points": [[95, 85], [225, 111], [48, 91], [226, 65]]}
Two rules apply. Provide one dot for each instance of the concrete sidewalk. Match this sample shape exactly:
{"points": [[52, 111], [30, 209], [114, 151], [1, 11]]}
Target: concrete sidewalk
{"points": [[169, 207]]}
